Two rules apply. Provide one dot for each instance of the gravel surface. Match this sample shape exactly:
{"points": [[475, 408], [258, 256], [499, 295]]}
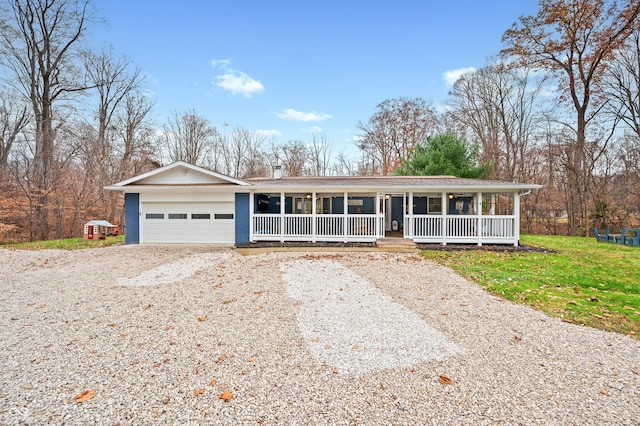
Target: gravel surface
{"points": [[158, 335]]}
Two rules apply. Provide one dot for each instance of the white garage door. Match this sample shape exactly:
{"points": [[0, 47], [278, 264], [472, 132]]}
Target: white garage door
{"points": [[188, 223]]}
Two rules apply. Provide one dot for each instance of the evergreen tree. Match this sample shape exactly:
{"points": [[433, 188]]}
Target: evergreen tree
{"points": [[444, 154]]}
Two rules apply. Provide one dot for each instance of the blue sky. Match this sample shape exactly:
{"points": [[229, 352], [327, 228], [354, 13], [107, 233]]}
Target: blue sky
{"points": [[291, 68]]}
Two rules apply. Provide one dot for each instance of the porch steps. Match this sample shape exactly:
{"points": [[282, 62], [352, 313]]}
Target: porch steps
{"points": [[396, 244]]}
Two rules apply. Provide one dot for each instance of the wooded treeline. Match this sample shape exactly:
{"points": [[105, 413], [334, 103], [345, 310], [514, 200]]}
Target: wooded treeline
{"points": [[558, 106]]}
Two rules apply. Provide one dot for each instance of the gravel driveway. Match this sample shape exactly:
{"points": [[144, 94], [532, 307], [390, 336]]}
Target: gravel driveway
{"points": [[157, 334]]}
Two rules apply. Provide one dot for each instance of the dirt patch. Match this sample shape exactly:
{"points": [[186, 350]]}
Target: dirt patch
{"points": [[438, 247], [487, 247]]}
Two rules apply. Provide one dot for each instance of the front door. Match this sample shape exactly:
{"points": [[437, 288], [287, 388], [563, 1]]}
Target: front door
{"points": [[90, 232], [392, 209]]}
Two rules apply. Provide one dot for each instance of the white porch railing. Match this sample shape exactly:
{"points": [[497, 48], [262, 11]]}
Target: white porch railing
{"points": [[369, 227], [461, 229], [328, 227]]}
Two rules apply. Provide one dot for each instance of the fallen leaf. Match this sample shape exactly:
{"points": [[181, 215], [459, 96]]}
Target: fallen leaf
{"points": [[355, 347], [604, 392], [147, 307], [85, 396], [170, 327], [226, 395], [256, 309], [335, 371], [252, 359], [258, 292], [213, 382], [315, 340], [198, 392], [244, 372], [202, 318], [635, 371], [445, 380]]}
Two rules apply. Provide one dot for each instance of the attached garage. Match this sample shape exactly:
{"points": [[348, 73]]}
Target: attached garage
{"points": [[188, 222], [182, 204]]}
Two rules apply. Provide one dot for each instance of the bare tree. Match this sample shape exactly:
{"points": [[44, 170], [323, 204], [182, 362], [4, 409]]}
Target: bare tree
{"points": [[344, 166], [14, 117], [575, 40], [394, 129], [622, 83], [134, 146], [189, 137], [319, 155], [114, 80], [243, 154], [295, 158], [41, 46], [501, 106]]}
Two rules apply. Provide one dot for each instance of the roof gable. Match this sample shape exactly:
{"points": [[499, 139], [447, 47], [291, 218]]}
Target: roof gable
{"points": [[180, 173]]}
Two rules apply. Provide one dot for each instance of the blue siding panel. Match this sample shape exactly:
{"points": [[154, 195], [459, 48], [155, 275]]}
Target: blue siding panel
{"points": [[132, 218], [242, 218]]}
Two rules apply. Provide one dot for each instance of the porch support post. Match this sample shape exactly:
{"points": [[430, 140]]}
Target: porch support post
{"points": [[445, 207], [345, 216], [516, 218], [282, 201], [313, 217], [409, 211], [376, 210], [479, 218], [251, 214], [493, 205]]}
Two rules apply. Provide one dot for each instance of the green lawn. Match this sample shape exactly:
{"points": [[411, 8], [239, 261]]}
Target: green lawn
{"points": [[66, 244], [590, 283]]}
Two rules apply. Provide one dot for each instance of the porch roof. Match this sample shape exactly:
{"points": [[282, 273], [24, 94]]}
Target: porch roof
{"points": [[389, 183]]}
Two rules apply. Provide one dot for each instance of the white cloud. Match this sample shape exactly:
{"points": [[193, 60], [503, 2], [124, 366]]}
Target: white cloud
{"points": [[314, 129], [235, 81], [221, 63], [450, 77], [271, 133], [239, 82], [293, 115]]}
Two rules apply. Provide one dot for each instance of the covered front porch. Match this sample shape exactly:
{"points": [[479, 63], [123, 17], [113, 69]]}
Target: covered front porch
{"points": [[423, 217]]}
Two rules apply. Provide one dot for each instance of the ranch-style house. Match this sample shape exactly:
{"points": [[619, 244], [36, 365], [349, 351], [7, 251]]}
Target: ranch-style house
{"points": [[185, 204]]}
